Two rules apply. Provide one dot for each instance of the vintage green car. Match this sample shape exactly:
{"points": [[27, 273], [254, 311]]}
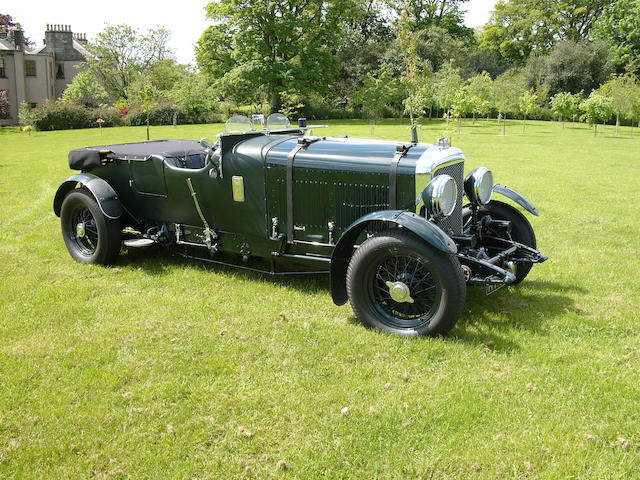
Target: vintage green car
{"points": [[386, 220]]}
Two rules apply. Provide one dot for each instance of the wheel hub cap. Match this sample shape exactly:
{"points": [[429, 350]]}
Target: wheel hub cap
{"points": [[399, 292], [80, 230]]}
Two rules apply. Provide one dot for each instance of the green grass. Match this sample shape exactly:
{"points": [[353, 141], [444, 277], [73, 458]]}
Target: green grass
{"points": [[165, 368]]}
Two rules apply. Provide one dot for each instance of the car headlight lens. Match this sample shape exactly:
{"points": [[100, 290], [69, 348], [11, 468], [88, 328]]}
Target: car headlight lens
{"points": [[440, 196], [479, 186]]}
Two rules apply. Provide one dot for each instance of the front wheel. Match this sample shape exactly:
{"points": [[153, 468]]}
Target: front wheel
{"points": [[521, 230], [397, 283], [89, 235]]}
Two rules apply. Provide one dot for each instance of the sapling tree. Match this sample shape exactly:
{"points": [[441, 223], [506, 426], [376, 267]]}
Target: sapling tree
{"points": [[564, 105], [597, 108], [527, 104], [620, 91]]}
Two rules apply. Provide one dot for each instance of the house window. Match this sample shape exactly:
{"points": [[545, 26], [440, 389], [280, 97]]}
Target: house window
{"points": [[30, 68], [59, 71], [3, 73]]}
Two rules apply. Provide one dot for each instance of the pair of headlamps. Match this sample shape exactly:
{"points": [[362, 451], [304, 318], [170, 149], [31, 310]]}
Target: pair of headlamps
{"points": [[441, 194]]}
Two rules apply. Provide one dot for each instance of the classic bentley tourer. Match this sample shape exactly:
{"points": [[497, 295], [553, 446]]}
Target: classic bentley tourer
{"points": [[388, 221]]}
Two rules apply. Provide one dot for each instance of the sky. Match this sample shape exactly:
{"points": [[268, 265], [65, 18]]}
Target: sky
{"points": [[184, 18]]}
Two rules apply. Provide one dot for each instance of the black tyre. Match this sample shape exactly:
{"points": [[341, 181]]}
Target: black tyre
{"points": [[397, 283], [89, 235], [521, 231]]}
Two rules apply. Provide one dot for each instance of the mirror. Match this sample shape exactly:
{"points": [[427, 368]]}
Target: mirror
{"points": [[237, 124], [277, 121]]}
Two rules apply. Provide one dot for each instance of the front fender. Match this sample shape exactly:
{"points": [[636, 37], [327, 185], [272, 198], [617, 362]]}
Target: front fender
{"points": [[343, 251], [516, 197], [104, 194]]}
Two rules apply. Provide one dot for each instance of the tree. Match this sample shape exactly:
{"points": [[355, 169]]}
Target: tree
{"points": [[278, 45], [445, 14], [415, 73], [85, 89], [519, 27], [166, 73], [120, 54], [366, 45], [480, 91], [143, 95], [462, 105], [619, 25], [576, 66], [527, 104], [377, 94], [565, 105], [620, 90], [195, 96], [447, 83], [9, 25], [597, 108], [507, 90]]}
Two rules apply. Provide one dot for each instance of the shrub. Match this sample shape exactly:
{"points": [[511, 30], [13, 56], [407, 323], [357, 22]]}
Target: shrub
{"points": [[62, 115], [52, 115]]}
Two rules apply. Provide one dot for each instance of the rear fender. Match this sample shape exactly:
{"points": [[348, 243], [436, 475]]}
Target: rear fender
{"points": [[343, 251], [104, 194], [516, 197]]}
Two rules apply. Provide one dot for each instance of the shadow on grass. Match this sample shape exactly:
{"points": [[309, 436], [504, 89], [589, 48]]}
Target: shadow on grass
{"points": [[158, 261], [488, 321]]}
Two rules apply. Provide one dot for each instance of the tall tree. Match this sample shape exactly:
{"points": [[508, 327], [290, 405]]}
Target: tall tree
{"points": [[576, 66], [279, 45], [423, 14], [363, 49], [519, 27], [120, 53], [620, 25]]}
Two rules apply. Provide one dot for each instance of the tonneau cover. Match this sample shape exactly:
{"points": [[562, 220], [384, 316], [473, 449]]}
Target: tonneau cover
{"points": [[89, 157]]}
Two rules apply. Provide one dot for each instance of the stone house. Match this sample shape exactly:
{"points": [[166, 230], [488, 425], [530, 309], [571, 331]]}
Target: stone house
{"points": [[33, 76]]}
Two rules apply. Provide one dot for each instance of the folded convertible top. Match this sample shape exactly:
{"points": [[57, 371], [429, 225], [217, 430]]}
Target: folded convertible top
{"points": [[89, 157]]}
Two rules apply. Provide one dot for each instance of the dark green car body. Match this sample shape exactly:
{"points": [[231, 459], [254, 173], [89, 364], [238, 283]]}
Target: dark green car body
{"points": [[278, 201]]}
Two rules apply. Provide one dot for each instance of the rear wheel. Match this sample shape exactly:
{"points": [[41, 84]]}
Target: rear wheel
{"points": [[89, 235], [399, 284]]}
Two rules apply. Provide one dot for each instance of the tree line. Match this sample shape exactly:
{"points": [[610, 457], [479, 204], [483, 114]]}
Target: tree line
{"points": [[568, 59]]}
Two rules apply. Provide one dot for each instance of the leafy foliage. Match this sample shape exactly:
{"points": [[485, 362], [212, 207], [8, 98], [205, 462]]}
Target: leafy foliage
{"points": [[597, 108], [86, 90], [120, 54], [519, 27], [620, 25], [377, 94], [4, 104], [277, 46], [62, 115], [565, 105]]}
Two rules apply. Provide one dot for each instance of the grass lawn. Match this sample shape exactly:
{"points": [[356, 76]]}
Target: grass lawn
{"points": [[165, 368]]}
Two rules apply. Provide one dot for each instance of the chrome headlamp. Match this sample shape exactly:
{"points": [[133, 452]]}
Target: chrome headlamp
{"points": [[440, 196], [479, 186]]}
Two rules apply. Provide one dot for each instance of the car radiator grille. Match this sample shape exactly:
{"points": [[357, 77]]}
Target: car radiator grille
{"points": [[453, 223]]}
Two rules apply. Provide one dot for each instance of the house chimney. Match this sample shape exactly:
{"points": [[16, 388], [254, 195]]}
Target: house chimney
{"points": [[18, 38]]}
